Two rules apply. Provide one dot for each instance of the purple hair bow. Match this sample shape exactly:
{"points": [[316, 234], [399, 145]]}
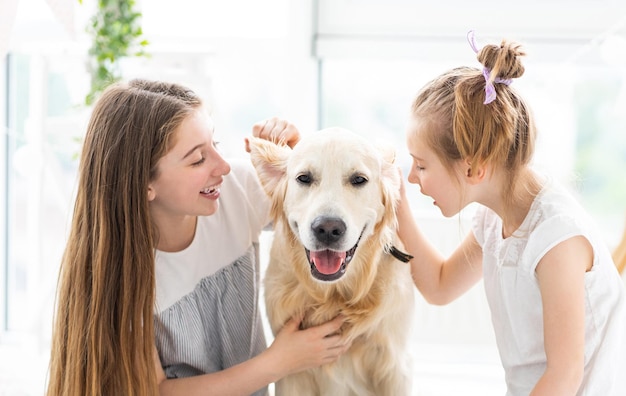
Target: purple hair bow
{"points": [[490, 91]]}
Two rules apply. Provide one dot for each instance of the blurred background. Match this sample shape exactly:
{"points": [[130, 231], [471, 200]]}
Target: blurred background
{"points": [[318, 63]]}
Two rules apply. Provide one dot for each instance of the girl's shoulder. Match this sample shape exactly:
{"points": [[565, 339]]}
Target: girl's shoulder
{"points": [[244, 197], [244, 176], [557, 201], [556, 216], [241, 169]]}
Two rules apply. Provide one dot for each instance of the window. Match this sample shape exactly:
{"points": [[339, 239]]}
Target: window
{"points": [[43, 134], [375, 56], [356, 64], [243, 75], [580, 136]]}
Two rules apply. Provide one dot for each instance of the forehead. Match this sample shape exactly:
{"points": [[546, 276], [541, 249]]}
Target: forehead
{"points": [[416, 136], [419, 125], [196, 125], [336, 149]]}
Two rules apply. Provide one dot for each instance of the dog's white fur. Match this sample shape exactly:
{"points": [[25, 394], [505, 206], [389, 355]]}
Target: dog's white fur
{"points": [[336, 174]]}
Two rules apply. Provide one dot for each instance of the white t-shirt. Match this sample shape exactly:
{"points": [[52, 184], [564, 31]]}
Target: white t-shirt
{"points": [[207, 315], [515, 301], [220, 239]]}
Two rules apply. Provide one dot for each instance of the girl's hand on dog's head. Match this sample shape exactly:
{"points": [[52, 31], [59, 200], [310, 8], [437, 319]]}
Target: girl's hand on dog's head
{"points": [[402, 183], [277, 130]]}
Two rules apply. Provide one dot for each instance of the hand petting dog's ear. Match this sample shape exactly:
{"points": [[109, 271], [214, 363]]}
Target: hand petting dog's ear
{"points": [[276, 130]]}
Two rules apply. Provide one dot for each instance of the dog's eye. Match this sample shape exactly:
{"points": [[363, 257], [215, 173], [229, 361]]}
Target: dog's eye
{"points": [[358, 180], [304, 178]]}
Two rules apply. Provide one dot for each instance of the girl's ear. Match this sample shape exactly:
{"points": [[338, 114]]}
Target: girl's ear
{"points": [[151, 193], [474, 172]]}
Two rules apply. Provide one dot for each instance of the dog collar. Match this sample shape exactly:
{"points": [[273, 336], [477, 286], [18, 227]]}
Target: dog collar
{"points": [[404, 257]]}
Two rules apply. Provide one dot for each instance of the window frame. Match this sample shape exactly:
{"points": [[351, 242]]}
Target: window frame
{"points": [[5, 120]]}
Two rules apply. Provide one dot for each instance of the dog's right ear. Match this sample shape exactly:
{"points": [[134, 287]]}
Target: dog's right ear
{"points": [[270, 161]]}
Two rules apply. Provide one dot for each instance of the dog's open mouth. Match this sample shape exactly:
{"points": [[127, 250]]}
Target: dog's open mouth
{"points": [[329, 265]]}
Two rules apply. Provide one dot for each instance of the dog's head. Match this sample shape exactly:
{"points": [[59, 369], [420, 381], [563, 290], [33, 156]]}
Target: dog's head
{"points": [[334, 190]]}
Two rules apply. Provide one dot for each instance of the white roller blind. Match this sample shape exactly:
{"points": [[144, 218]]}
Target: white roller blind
{"points": [[555, 30]]}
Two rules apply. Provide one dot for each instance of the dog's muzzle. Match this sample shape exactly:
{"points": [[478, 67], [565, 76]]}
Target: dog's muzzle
{"points": [[328, 265]]}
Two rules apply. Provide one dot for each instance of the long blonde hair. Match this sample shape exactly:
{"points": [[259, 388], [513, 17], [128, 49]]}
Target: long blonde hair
{"points": [[501, 133], [103, 336]]}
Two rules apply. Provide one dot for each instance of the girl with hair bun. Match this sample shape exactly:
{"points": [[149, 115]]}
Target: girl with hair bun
{"points": [[557, 302]]}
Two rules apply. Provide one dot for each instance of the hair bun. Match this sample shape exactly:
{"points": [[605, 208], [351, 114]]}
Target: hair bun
{"points": [[504, 61]]}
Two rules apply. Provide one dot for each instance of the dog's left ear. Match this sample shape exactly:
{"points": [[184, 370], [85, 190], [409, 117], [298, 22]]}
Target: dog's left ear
{"points": [[270, 161]]}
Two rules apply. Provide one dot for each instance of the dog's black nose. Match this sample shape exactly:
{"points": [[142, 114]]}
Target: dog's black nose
{"points": [[328, 229]]}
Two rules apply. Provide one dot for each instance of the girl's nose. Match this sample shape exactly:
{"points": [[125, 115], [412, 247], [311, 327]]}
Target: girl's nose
{"points": [[412, 177], [219, 166]]}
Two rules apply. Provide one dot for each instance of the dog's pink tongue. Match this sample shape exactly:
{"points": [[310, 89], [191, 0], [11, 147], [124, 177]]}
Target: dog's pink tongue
{"points": [[327, 262]]}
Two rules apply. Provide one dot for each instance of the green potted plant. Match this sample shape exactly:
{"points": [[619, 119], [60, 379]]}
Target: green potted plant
{"points": [[116, 31]]}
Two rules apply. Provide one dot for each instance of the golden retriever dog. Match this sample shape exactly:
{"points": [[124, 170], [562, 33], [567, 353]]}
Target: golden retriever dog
{"points": [[335, 250]]}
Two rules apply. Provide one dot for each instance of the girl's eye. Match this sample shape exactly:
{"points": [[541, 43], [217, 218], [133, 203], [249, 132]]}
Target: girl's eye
{"points": [[200, 162]]}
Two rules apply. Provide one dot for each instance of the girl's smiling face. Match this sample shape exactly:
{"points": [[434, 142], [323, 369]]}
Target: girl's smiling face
{"points": [[429, 172], [189, 176]]}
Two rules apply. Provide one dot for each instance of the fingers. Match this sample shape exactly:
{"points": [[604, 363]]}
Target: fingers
{"points": [[336, 344], [269, 129], [293, 324], [331, 327], [277, 130], [325, 330], [311, 347], [402, 184], [335, 347]]}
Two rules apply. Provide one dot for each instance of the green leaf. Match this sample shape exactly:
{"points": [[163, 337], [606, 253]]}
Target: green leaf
{"points": [[116, 31]]}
